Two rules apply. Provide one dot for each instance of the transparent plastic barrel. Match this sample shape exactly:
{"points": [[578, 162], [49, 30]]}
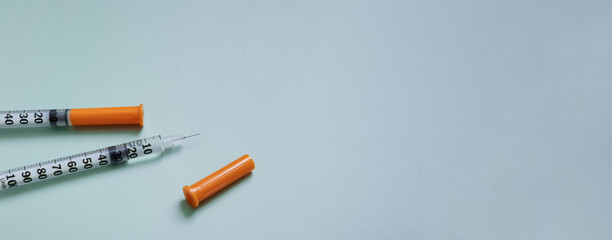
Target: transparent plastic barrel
{"points": [[80, 162], [34, 118]]}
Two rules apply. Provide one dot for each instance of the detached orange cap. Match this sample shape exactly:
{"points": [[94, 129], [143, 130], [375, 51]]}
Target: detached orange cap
{"points": [[106, 116], [218, 180]]}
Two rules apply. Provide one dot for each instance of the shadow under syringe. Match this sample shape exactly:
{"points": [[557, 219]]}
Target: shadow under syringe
{"points": [[12, 133]]}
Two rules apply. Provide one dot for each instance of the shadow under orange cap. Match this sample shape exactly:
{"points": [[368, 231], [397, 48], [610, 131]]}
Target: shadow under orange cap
{"points": [[107, 116], [218, 180]]}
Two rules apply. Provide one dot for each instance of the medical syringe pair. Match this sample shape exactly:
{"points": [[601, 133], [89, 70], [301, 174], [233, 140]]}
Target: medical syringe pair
{"points": [[109, 155]]}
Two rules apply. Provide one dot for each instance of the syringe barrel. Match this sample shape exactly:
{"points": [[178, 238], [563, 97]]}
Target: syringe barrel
{"points": [[35, 118], [80, 162]]}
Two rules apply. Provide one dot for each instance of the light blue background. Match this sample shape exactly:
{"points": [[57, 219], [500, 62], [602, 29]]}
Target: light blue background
{"points": [[366, 119]]}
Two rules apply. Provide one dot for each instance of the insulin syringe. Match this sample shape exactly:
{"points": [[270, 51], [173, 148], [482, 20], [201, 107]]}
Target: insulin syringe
{"points": [[88, 160], [72, 117]]}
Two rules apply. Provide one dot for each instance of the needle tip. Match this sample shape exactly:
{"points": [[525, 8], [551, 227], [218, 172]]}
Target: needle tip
{"points": [[192, 135]]}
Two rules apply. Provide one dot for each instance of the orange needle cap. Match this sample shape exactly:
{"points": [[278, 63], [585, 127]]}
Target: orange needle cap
{"points": [[218, 180], [106, 116]]}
